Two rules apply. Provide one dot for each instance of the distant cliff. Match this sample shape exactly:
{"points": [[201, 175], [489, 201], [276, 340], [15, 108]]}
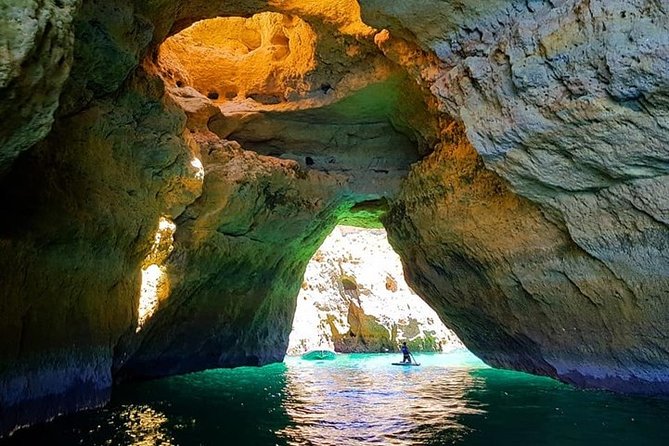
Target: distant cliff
{"points": [[354, 299]]}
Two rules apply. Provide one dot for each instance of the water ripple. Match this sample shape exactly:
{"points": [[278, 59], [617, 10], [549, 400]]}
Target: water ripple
{"points": [[355, 400]]}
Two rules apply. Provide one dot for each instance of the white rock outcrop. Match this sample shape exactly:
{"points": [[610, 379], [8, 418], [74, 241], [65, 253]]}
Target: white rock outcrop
{"points": [[354, 298]]}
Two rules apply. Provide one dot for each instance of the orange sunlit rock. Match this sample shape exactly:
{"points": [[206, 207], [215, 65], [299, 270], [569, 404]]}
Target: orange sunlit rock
{"points": [[345, 14], [381, 37], [265, 56]]}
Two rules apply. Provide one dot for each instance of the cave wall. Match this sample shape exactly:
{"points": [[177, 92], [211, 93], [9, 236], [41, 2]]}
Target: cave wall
{"points": [[513, 285], [79, 211], [537, 227], [566, 103], [240, 251], [84, 208], [37, 44]]}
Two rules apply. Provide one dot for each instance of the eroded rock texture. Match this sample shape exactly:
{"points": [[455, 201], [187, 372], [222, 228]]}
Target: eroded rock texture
{"points": [[537, 227], [239, 254], [36, 51], [241, 248], [567, 102], [512, 283], [135, 241], [77, 222]]}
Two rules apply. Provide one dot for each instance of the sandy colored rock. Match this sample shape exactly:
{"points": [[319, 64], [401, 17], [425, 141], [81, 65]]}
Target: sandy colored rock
{"points": [[554, 102], [264, 57], [513, 284], [79, 220], [239, 254], [354, 299], [537, 227]]}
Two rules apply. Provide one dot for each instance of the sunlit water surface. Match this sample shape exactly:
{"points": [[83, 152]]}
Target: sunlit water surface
{"points": [[361, 399]]}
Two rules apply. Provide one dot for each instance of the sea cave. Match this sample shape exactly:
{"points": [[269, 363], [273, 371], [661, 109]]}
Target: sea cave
{"points": [[168, 169]]}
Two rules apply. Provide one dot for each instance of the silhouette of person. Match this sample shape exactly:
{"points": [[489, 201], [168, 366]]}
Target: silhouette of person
{"points": [[405, 352]]}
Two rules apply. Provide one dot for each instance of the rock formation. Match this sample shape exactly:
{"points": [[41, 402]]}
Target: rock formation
{"points": [[565, 102], [158, 219], [354, 299], [37, 43]]}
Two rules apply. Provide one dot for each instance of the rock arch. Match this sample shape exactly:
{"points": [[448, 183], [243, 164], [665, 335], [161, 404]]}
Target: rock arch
{"points": [[533, 230]]}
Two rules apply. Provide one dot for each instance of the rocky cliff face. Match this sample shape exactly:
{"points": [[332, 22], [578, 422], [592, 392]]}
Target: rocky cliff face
{"points": [[354, 299], [157, 220], [37, 42], [562, 101]]}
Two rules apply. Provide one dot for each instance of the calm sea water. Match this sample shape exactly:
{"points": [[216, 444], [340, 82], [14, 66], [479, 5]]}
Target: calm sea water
{"points": [[452, 399]]}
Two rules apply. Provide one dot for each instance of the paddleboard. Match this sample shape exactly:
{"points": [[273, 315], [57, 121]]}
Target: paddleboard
{"points": [[415, 364], [319, 355]]}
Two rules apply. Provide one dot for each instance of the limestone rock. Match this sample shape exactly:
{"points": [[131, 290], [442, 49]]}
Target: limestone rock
{"points": [[513, 284], [269, 59], [36, 51], [354, 299], [537, 227], [566, 102], [239, 253], [80, 213]]}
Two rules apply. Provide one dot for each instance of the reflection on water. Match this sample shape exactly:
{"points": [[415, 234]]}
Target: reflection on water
{"points": [[144, 426], [369, 401], [452, 399]]}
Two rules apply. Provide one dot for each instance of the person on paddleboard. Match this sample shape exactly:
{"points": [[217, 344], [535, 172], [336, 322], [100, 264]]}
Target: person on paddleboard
{"points": [[405, 352]]}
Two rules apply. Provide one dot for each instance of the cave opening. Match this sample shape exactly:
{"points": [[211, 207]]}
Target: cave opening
{"points": [[314, 89], [156, 226], [296, 120], [316, 126], [354, 299]]}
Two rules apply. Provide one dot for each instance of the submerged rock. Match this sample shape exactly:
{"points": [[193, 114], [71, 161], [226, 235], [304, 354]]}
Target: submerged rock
{"points": [[319, 355]]}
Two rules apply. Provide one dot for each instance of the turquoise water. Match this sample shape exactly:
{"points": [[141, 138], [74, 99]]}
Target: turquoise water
{"points": [[452, 399]]}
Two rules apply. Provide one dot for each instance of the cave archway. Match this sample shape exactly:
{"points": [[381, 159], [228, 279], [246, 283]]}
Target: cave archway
{"points": [[354, 299], [530, 226], [294, 129], [510, 312]]}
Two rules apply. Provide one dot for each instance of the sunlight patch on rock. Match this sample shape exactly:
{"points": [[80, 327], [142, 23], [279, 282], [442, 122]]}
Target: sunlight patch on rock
{"points": [[155, 285]]}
